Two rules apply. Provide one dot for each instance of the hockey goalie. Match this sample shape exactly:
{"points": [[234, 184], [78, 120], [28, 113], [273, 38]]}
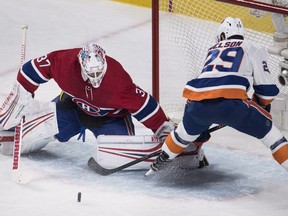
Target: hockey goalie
{"points": [[97, 95]]}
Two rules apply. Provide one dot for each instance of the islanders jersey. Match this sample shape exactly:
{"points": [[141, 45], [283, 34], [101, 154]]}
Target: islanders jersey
{"points": [[231, 68], [116, 97]]}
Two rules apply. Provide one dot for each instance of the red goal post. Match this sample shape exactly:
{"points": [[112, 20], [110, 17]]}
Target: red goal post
{"points": [[182, 32]]}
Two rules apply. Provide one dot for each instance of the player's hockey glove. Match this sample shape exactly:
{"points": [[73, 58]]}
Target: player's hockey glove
{"points": [[256, 99], [160, 163], [203, 137]]}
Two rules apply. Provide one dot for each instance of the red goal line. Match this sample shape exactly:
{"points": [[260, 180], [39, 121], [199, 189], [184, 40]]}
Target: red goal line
{"points": [[258, 5]]}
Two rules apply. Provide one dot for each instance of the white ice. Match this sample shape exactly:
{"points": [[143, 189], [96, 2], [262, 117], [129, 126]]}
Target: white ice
{"points": [[242, 178]]}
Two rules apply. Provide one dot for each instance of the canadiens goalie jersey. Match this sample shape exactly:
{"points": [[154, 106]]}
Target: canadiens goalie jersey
{"points": [[115, 97]]}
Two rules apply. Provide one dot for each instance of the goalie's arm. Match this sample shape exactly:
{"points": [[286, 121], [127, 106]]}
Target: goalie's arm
{"points": [[32, 74]]}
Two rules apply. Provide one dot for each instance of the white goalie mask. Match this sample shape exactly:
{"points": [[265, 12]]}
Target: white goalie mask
{"points": [[228, 28], [93, 64]]}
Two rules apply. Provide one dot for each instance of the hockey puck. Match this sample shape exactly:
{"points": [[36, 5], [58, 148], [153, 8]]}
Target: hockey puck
{"points": [[79, 197]]}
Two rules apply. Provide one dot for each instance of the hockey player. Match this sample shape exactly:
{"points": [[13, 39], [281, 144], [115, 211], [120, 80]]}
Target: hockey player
{"points": [[219, 95], [97, 94]]}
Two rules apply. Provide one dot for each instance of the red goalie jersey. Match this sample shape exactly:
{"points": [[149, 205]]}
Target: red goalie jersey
{"points": [[115, 97]]}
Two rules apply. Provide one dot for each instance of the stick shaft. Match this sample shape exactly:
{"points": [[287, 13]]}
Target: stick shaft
{"points": [[17, 176], [23, 45], [17, 145]]}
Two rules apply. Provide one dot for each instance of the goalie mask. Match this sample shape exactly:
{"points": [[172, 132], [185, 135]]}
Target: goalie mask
{"points": [[93, 64], [229, 27]]}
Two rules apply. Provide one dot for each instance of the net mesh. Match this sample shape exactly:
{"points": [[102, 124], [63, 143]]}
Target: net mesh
{"points": [[283, 3], [187, 30]]}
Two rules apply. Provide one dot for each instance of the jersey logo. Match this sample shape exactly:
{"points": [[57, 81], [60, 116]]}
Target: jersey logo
{"points": [[88, 108]]}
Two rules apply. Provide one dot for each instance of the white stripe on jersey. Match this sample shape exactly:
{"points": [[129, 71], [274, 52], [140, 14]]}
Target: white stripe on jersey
{"points": [[151, 114], [203, 89], [143, 106], [29, 79], [38, 72]]}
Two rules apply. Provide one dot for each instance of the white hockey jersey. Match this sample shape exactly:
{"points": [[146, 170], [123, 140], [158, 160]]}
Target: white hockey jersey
{"points": [[231, 68]]}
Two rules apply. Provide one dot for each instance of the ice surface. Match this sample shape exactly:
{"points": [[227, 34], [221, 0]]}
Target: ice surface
{"points": [[242, 178]]}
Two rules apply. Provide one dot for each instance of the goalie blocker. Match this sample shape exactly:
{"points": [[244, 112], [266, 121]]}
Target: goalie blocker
{"points": [[116, 150]]}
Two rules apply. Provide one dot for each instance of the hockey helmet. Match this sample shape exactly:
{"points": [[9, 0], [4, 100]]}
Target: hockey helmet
{"points": [[229, 27], [93, 64]]}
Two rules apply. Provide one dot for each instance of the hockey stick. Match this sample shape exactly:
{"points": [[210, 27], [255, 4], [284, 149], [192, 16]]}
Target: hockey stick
{"points": [[93, 165], [23, 45], [17, 175]]}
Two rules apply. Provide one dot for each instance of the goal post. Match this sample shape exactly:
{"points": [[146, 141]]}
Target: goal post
{"points": [[155, 49]]}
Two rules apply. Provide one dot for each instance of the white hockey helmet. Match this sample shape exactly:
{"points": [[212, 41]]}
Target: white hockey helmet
{"points": [[93, 64], [229, 27]]}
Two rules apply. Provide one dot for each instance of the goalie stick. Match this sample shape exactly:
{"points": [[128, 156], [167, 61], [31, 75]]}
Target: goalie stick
{"points": [[93, 165], [17, 175]]}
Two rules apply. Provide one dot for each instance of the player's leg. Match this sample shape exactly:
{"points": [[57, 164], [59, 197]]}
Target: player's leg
{"points": [[180, 143], [258, 123], [68, 121], [192, 130]]}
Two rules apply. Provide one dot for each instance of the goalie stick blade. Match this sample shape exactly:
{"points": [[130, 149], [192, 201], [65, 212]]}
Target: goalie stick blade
{"points": [[92, 163], [20, 178]]}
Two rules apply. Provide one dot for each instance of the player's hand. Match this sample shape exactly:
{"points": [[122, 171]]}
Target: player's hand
{"points": [[256, 99], [203, 137]]}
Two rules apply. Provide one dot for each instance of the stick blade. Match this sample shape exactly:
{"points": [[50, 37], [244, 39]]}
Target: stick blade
{"points": [[20, 178], [93, 165]]}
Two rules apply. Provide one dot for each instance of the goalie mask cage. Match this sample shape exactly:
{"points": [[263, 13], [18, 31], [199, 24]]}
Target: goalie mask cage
{"points": [[183, 30]]}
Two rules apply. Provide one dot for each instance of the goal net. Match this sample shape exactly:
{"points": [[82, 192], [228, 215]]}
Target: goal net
{"points": [[186, 31]]}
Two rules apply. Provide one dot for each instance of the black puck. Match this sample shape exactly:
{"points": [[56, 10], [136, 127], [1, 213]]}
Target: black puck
{"points": [[79, 197]]}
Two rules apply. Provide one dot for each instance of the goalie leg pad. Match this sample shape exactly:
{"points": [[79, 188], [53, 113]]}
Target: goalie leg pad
{"points": [[116, 150], [6, 142], [38, 130], [192, 157]]}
